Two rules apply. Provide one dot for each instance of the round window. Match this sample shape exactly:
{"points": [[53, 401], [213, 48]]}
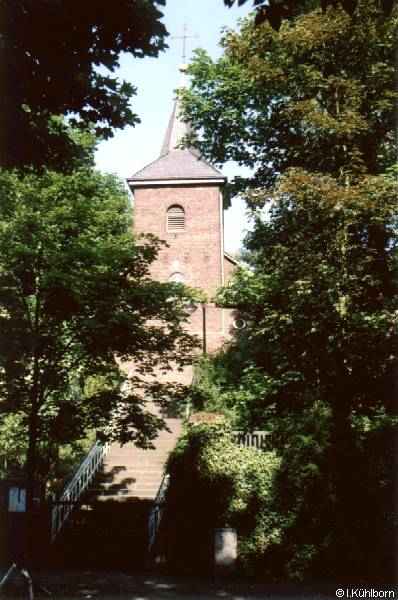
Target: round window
{"points": [[239, 323]]}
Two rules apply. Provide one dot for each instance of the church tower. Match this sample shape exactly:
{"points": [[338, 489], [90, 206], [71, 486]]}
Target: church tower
{"points": [[178, 198]]}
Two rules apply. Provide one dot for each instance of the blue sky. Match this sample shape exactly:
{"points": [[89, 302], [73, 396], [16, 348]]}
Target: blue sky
{"points": [[156, 79]]}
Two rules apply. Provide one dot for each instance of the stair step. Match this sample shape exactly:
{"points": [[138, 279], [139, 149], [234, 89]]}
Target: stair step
{"points": [[118, 470], [129, 472], [118, 462], [115, 487], [138, 496], [111, 526]]}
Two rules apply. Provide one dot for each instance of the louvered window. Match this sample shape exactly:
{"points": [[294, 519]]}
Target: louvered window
{"points": [[175, 219]]}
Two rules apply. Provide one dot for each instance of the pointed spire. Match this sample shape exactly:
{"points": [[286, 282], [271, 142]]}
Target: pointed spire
{"points": [[177, 129], [176, 163]]}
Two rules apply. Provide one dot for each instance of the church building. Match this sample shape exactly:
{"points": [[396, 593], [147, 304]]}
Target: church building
{"points": [[178, 198]]}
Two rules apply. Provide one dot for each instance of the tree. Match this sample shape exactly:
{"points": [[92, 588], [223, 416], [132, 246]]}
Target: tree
{"points": [[310, 106], [57, 60], [76, 303], [319, 94], [316, 367], [303, 104], [275, 11], [320, 298], [318, 357]]}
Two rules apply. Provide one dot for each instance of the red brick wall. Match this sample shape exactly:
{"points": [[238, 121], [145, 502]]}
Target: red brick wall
{"points": [[196, 252]]}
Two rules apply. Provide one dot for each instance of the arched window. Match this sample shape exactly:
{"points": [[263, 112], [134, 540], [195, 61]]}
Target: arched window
{"points": [[177, 277], [175, 219]]}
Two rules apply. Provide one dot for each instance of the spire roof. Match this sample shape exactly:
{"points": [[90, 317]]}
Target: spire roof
{"points": [[176, 131], [176, 162]]}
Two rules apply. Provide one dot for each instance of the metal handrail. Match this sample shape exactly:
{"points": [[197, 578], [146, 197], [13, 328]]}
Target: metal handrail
{"points": [[155, 516], [75, 488], [252, 439]]}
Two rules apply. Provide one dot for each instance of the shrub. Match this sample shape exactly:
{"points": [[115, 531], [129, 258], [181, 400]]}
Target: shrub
{"points": [[215, 483]]}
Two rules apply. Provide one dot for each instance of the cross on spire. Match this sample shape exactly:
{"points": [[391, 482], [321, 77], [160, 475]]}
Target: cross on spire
{"points": [[184, 37]]}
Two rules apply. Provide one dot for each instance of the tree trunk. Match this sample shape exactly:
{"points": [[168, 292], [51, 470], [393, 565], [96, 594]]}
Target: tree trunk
{"points": [[31, 459], [31, 470], [31, 464], [344, 474]]}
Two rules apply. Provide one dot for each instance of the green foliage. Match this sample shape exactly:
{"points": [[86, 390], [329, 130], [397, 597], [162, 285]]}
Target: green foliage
{"points": [[58, 59], [325, 539], [62, 461], [320, 301], [311, 109], [55, 462], [319, 94], [307, 541], [76, 302], [275, 11], [316, 366], [320, 298], [215, 483], [12, 445], [228, 383]]}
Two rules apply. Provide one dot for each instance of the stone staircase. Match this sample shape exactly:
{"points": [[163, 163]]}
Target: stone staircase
{"points": [[110, 528], [130, 472]]}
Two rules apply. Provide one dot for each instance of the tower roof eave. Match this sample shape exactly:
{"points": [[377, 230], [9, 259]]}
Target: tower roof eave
{"points": [[175, 165]]}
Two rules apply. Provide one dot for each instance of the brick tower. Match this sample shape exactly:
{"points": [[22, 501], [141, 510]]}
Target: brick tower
{"points": [[178, 198]]}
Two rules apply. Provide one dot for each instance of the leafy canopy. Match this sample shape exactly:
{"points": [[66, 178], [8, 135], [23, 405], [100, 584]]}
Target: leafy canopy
{"points": [[275, 11], [319, 94], [58, 59], [320, 298], [76, 303], [316, 367], [311, 110]]}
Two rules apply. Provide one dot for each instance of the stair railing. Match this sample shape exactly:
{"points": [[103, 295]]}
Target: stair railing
{"points": [[79, 483], [155, 516], [252, 439]]}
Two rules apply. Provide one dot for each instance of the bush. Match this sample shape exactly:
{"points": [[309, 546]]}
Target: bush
{"points": [[283, 503], [215, 483]]}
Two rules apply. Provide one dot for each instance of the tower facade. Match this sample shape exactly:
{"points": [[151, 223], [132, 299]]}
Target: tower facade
{"points": [[178, 198]]}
